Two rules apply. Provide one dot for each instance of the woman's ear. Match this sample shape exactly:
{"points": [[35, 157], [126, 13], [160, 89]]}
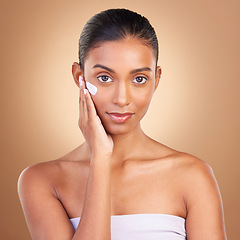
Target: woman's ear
{"points": [[158, 76], [76, 72]]}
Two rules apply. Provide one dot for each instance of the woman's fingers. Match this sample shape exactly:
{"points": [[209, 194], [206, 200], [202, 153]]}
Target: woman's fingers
{"points": [[80, 109], [89, 111], [83, 115], [90, 106], [84, 108]]}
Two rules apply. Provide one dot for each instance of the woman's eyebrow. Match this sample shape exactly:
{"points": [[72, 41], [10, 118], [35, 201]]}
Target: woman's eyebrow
{"points": [[132, 72], [103, 67], [141, 70]]}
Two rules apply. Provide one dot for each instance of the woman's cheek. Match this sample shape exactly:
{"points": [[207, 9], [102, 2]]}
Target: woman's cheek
{"points": [[143, 98], [143, 103], [100, 103]]}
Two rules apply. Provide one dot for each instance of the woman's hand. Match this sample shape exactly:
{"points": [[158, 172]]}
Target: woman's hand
{"points": [[90, 124]]}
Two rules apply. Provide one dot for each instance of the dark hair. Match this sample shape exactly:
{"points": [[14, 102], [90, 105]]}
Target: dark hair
{"points": [[113, 25]]}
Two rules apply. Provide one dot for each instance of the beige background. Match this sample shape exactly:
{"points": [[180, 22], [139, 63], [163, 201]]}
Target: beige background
{"points": [[196, 108]]}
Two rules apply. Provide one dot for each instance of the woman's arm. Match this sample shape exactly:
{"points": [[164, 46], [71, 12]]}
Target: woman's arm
{"points": [[45, 215], [204, 205], [96, 216]]}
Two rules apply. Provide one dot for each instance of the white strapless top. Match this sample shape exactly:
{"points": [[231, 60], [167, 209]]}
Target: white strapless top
{"points": [[144, 227]]}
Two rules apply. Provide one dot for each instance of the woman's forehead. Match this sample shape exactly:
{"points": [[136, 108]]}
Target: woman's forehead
{"points": [[118, 54]]}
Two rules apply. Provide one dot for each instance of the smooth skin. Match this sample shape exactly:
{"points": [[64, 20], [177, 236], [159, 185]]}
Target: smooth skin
{"points": [[118, 170]]}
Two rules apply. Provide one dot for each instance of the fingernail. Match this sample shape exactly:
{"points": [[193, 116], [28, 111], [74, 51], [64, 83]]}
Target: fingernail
{"points": [[85, 91], [80, 80]]}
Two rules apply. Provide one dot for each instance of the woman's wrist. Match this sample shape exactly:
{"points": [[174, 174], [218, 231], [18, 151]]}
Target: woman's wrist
{"points": [[101, 157]]}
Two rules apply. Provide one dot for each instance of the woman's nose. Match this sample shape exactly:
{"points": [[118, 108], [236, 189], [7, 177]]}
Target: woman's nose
{"points": [[122, 94]]}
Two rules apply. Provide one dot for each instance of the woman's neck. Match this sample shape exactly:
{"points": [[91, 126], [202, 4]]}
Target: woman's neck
{"points": [[130, 145]]}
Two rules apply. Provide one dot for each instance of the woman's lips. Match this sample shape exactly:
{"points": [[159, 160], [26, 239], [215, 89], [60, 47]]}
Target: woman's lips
{"points": [[120, 117]]}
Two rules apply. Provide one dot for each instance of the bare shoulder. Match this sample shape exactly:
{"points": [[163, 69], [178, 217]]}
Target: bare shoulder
{"points": [[38, 189], [197, 176], [194, 170], [191, 165], [181, 165], [46, 180], [36, 181], [202, 197], [180, 161], [194, 175], [40, 168], [49, 173], [38, 173], [185, 165]]}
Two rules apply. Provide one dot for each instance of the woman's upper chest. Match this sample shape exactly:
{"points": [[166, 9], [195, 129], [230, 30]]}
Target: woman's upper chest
{"points": [[146, 187]]}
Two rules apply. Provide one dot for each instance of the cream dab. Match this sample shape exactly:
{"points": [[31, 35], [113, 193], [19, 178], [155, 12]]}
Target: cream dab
{"points": [[91, 88]]}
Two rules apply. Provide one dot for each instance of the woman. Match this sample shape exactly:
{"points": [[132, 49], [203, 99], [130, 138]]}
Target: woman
{"points": [[120, 183]]}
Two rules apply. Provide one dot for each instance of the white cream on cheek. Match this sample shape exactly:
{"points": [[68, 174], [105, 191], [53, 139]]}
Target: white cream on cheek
{"points": [[91, 88]]}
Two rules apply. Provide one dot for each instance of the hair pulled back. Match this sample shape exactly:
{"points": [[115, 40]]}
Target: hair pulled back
{"points": [[113, 25]]}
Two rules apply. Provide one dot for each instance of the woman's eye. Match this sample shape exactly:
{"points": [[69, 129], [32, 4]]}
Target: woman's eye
{"points": [[140, 80], [104, 79]]}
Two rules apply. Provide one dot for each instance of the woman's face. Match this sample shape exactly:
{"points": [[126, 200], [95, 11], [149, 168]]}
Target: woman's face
{"points": [[125, 75]]}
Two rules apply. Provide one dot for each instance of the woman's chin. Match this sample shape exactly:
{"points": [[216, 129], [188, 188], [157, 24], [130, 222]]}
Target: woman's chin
{"points": [[119, 129]]}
